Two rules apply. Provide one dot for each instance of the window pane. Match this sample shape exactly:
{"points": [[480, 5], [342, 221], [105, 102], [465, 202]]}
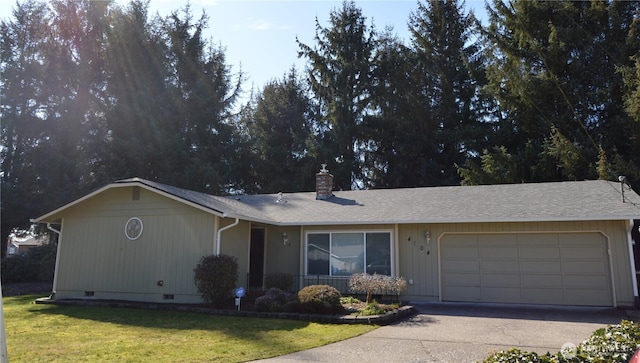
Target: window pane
{"points": [[318, 254], [347, 253], [379, 253]]}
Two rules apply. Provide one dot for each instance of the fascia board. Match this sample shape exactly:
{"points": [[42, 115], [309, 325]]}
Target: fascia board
{"points": [[451, 221], [44, 217]]}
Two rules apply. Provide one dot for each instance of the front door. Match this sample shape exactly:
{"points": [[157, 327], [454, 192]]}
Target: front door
{"points": [[256, 257]]}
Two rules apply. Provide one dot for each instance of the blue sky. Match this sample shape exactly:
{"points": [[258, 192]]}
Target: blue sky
{"points": [[260, 35]]}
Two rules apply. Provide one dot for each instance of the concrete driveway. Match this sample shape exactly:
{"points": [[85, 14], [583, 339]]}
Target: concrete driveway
{"points": [[465, 333]]}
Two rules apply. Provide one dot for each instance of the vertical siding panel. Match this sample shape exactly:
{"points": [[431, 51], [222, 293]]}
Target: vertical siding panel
{"points": [[97, 256], [621, 259]]}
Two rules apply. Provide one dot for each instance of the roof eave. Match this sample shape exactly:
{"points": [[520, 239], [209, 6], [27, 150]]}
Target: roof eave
{"points": [[451, 221], [45, 218]]}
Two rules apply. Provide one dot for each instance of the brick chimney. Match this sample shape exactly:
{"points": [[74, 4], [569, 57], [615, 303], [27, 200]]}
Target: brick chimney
{"points": [[324, 184]]}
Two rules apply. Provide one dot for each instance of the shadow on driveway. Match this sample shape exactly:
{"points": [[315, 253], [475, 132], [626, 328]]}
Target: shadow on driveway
{"points": [[600, 315], [446, 332]]}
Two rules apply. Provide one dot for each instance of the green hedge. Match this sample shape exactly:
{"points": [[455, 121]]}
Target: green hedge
{"points": [[37, 265], [613, 344]]}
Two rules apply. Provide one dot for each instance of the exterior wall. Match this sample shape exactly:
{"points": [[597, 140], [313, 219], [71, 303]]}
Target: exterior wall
{"points": [[236, 242], [283, 258], [96, 256], [419, 259]]}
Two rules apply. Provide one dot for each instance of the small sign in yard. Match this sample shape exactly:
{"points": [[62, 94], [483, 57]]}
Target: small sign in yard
{"points": [[239, 295]]}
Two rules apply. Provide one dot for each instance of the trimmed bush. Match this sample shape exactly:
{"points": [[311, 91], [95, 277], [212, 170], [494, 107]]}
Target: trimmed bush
{"points": [[613, 344], [323, 299], [273, 300], [215, 277], [376, 284], [282, 281]]}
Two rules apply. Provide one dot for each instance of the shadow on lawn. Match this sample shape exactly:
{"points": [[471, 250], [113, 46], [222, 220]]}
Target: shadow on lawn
{"points": [[245, 327]]}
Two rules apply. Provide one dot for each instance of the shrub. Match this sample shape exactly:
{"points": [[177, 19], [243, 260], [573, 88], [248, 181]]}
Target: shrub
{"points": [[45, 257], [273, 300], [215, 277], [516, 356], [38, 264], [282, 281], [613, 344], [322, 299], [349, 300], [372, 308], [18, 269], [376, 284]]}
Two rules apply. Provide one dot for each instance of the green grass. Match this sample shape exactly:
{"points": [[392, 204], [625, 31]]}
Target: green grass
{"points": [[49, 333]]}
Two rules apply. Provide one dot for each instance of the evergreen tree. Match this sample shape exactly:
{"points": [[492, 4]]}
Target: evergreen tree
{"points": [[23, 92], [280, 128], [204, 94], [554, 71], [138, 115], [51, 105], [339, 74], [393, 138], [449, 75]]}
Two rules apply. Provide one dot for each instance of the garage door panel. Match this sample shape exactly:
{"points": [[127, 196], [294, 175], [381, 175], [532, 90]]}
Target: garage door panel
{"points": [[552, 267], [470, 252], [586, 281], [576, 253], [544, 268], [460, 279], [594, 297], [534, 252], [499, 266], [581, 239], [494, 252], [471, 294], [584, 267], [541, 281], [537, 240], [463, 265], [496, 240], [497, 280], [501, 294], [551, 296]]}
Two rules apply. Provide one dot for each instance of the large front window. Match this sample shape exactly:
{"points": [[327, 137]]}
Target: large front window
{"points": [[348, 253]]}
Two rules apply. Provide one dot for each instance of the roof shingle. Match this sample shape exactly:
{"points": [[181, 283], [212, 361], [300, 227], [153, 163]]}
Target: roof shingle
{"points": [[561, 201]]}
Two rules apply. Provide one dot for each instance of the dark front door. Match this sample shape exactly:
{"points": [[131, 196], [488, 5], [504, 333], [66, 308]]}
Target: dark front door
{"points": [[256, 257]]}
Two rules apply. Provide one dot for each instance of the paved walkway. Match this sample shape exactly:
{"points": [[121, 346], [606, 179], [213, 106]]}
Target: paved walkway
{"points": [[464, 333]]}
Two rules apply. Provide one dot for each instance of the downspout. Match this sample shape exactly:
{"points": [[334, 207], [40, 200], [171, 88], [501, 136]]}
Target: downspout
{"points": [[632, 263], [55, 270], [220, 232]]}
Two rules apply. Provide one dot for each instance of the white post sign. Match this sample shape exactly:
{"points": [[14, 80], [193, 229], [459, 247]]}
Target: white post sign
{"points": [[239, 295]]}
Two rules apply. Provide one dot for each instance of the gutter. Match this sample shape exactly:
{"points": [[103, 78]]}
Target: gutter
{"points": [[220, 233]]}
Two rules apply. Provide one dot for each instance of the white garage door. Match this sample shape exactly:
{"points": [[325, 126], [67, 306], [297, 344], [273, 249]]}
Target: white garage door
{"points": [[560, 269]]}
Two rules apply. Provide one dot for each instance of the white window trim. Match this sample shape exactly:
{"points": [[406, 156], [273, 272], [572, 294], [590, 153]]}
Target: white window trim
{"points": [[364, 231]]}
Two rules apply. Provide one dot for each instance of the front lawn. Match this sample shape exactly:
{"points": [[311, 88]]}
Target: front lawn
{"points": [[38, 333]]}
